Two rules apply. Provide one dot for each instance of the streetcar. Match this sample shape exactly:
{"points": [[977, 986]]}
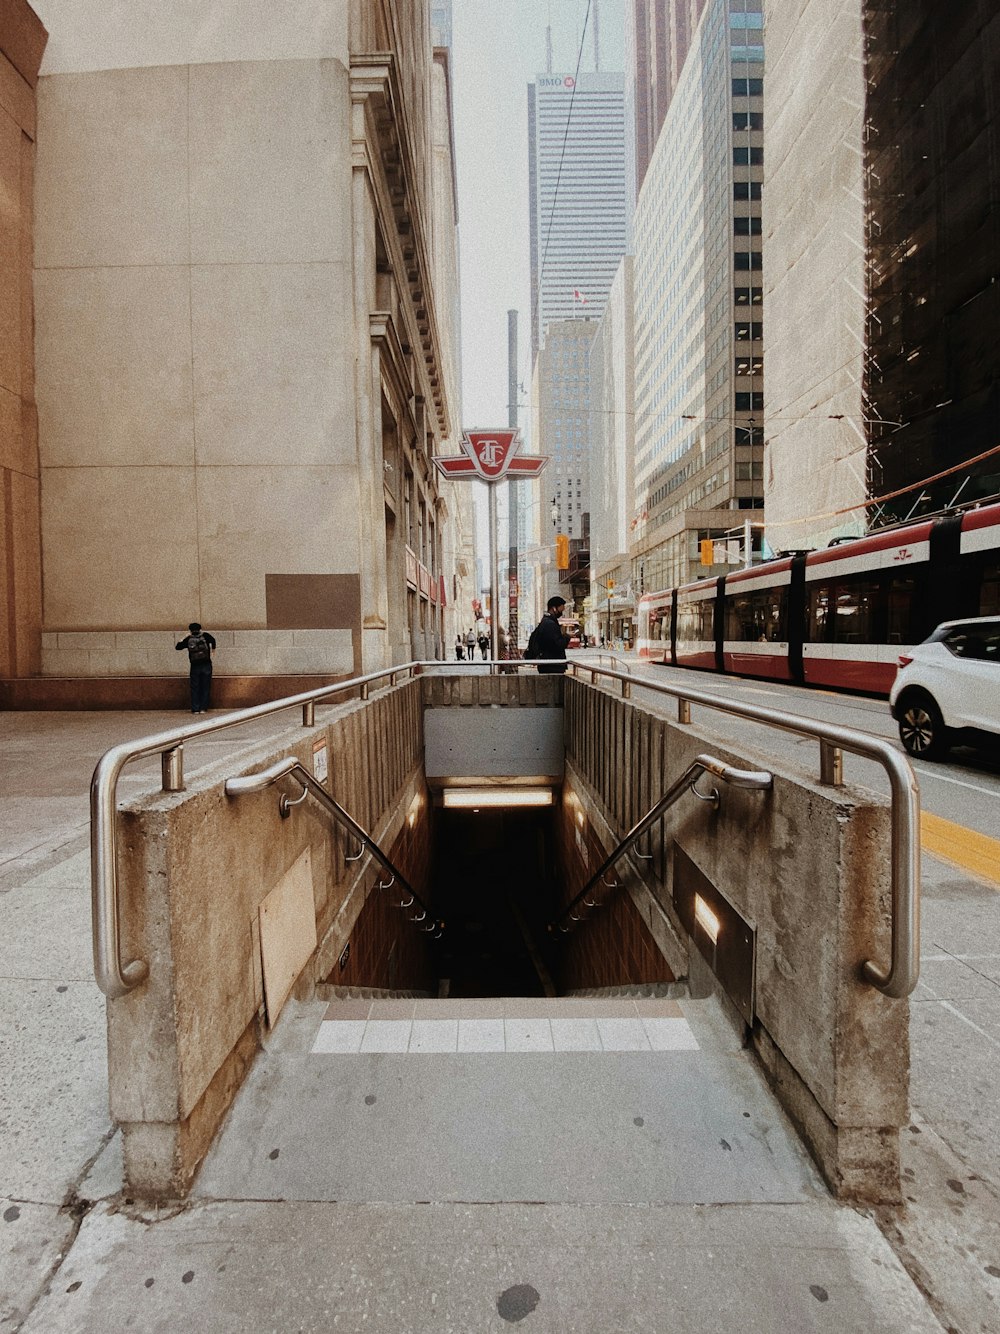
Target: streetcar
{"points": [[839, 616]]}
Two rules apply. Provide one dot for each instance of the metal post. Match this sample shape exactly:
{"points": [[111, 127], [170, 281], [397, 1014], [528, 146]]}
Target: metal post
{"points": [[513, 494], [747, 545], [494, 576], [831, 764], [172, 769], [309, 713], [683, 711]]}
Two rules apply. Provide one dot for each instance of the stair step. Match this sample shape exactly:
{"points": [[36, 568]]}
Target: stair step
{"points": [[503, 1025]]}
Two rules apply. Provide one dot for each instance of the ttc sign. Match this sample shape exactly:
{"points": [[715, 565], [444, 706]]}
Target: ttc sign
{"points": [[491, 455]]}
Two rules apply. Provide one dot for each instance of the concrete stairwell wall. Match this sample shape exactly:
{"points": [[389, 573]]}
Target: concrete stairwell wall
{"points": [[808, 867], [195, 868]]}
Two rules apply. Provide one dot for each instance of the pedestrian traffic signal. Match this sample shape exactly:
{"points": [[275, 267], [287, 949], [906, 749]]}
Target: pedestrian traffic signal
{"points": [[562, 551]]}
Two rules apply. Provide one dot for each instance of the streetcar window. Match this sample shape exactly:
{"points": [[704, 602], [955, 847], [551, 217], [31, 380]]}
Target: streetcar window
{"points": [[901, 603], [655, 626], [695, 620], [757, 617], [989, 595], [819, 612], [856, 600]]}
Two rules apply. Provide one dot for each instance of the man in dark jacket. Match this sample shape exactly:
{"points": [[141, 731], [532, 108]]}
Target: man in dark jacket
{"points": [[547, 639], [200, 646]]}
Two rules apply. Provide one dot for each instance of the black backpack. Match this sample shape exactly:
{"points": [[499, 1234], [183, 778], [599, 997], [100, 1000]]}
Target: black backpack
{"points": [[532, 650], [198, 649]]}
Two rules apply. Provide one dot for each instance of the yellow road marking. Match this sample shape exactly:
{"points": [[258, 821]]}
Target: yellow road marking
{"points": [[963, 847]]}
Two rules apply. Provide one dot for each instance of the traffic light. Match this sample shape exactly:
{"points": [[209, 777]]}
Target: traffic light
{"points": [[707, 547], [562, 551]]}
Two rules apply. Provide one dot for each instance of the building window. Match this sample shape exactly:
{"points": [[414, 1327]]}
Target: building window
{"points": [[750, 402], [748, 87], [751, 20], [748, 332], [747, 259], [746, 226], [749, 435], [749, 296], [746, 189], [748, 157], [748, 120], [749, 365]]}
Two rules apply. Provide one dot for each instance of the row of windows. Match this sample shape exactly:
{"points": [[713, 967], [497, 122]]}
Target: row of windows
{"points": [[750, 402], [746, 227], [749, 296], [748, 157], [746, 189], [748, 259], [748, 87], [881, 607], [752, 331], [748, 120]]}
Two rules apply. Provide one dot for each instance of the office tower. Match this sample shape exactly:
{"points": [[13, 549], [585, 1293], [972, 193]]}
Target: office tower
{"points": [[698, 328], [932, 158], [657, 39], [562, 422], [576, 191]]}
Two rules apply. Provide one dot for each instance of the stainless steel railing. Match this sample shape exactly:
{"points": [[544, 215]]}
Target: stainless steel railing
{"points": [[754, 779], [900, 977], [117, 979], [113, 977], [291, 767]]}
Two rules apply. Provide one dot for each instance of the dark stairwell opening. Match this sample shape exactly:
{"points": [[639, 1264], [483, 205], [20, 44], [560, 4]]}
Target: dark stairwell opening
{"points": [[493, 882], [498, 876]]}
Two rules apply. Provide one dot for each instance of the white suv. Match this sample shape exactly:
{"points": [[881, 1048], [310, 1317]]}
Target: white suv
{"points": [[947, 689]]}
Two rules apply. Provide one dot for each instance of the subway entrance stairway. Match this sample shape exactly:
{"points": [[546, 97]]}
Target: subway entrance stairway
{"points": [[353, 1149]]}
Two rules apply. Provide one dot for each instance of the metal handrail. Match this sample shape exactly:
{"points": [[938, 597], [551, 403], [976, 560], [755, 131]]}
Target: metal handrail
{"points": [[114, 978], [904, 965], [758, 780], [290, 766]]}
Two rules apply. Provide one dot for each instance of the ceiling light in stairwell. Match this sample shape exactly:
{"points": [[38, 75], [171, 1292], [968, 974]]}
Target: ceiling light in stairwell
{"points": [[473, 798], [706, 919]]}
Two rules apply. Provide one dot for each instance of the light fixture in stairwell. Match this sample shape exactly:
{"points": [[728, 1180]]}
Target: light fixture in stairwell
{"points": [[473, 798], [706, 918]]}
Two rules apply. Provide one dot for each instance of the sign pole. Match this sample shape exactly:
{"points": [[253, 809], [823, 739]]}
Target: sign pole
{"points": [[491, 455], [494, 575]]}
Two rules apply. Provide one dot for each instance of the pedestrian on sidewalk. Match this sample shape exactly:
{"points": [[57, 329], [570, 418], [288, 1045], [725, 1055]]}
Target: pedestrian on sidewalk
{"points": [[459, 647], [200, 646], [470, 644], [484, 644], [547, 639]]}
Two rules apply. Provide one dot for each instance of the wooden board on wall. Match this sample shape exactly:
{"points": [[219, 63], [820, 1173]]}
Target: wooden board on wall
{"points": [[287, 933]]}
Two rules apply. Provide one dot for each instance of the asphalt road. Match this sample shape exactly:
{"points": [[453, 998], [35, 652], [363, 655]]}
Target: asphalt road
{"points": [[964, 789]]}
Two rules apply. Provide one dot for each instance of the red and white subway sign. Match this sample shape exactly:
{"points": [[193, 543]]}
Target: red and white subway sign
{"points": [[491, 455]]}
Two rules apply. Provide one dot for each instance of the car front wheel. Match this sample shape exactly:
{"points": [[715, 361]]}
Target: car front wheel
{"points": [[922, 730]]}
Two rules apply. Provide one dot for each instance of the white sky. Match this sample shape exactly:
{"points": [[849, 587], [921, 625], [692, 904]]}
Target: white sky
{"points": [[498, 47]]}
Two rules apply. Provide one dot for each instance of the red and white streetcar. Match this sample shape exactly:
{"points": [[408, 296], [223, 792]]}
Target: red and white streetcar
{"points": [[836, 617]]}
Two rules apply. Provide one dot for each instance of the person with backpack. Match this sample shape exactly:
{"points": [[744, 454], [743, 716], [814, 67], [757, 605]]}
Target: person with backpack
{"points": [[547, 639], [200, 646]]}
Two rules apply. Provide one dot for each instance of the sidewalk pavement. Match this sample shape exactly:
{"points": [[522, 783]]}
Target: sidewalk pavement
{"points": [[75, 1256]]}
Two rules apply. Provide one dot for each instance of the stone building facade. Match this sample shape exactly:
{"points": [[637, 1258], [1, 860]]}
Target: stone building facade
{"points": [[245, 236], [22, 41]]}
